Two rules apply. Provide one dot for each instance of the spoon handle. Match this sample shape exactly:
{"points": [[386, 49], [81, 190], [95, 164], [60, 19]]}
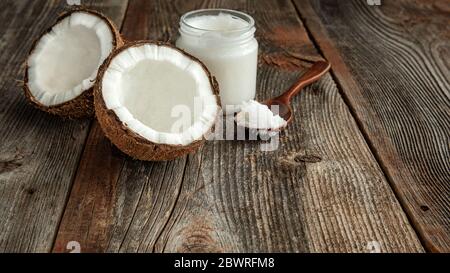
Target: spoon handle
{"points": [[317, 70]]}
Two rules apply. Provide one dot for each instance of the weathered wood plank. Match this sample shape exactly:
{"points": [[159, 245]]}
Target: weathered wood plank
{"points": [[39, 153], [322, 191], [392, 64]]}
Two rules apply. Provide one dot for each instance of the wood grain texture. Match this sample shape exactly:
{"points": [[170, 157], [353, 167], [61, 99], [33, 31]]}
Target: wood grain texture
{"points": [[392, 64], [39, 153], [322, 191]]}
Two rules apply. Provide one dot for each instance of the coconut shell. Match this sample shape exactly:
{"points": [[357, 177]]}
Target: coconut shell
{"points": [[128, 141], [83, 105]]}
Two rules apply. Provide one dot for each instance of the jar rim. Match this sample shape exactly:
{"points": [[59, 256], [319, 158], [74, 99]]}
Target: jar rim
{"points": [[199, 12]]}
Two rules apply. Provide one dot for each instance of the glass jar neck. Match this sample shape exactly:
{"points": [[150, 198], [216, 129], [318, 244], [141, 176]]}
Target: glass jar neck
{"points": [[217, 26]]}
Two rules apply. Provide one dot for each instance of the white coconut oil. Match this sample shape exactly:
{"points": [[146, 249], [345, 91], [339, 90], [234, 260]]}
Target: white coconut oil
{"points": [[224, 41], [255, 115]]}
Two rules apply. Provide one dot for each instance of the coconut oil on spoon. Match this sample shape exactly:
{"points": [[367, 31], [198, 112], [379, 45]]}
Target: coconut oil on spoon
{"points": [[275, 114]]}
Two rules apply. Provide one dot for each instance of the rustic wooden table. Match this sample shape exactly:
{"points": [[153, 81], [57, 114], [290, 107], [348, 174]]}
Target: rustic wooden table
{"points": [[365, 163]]}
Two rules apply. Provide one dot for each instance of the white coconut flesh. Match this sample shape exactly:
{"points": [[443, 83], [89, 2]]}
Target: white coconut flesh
{"points": [[161, 94], [65, 61]]}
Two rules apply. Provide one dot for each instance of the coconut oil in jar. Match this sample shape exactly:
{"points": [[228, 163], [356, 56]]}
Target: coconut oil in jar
{"points": [[224, 41]]}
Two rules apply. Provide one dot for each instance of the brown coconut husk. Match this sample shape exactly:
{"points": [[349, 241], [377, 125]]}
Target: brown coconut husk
{"points": [[128, 141], [83, 105]]}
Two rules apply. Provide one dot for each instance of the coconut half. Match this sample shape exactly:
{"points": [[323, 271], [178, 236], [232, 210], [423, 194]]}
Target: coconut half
{"points": [[154, 101], [63, 63]]}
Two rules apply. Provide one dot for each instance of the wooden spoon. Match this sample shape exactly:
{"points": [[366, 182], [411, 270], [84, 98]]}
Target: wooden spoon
{"points": [[283, 101]]}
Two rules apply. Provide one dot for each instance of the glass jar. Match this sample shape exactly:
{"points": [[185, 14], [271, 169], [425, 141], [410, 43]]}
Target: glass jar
{"points": [[224, 41]]}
